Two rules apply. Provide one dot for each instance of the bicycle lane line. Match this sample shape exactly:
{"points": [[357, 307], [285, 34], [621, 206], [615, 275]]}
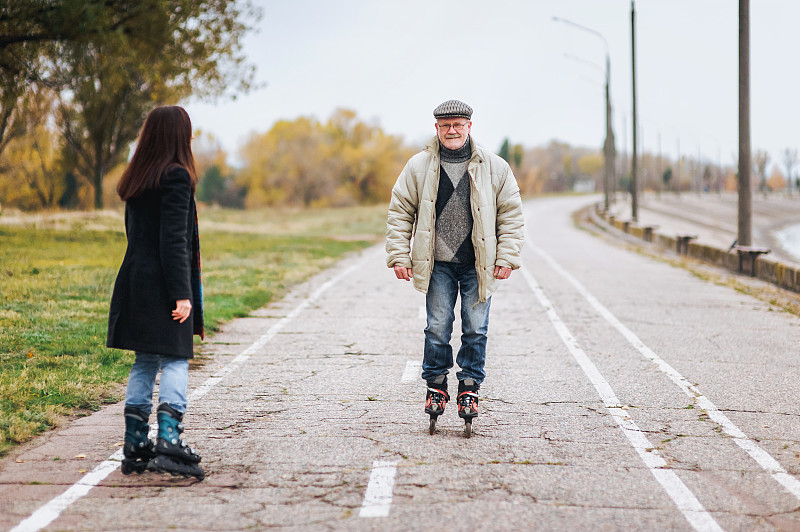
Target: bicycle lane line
{"points": [[378, 496], [52, 509], [681, 495], [762, 457]]}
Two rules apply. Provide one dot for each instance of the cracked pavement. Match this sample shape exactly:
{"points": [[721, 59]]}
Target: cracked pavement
{"points": [[289, 436]]}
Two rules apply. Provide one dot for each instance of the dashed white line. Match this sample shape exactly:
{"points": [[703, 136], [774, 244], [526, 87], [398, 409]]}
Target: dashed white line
{"points": [[412, 371], [681, 495], [762, 457], [51, 510], [378, 497]]}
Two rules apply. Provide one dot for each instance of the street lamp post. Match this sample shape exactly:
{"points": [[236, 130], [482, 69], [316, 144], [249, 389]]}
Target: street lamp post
{"points": [[745, 194], [608, 146], [634, 169]]}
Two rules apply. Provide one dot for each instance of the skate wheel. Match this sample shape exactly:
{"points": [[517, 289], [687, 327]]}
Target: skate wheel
{"points": [[432, 427], [468, 429], [133, 466]]}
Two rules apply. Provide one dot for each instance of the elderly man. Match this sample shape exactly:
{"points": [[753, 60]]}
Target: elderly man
{"points": [[455, 226]]}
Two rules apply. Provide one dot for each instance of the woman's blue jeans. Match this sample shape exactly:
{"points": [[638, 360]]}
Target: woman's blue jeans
{"points": [[447, 280], [171, 387]]}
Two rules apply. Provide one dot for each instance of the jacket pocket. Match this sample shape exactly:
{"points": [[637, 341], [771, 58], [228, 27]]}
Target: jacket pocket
{"points": [[421, 245]]}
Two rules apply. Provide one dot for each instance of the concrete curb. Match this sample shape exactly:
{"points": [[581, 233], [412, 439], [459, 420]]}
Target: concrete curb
{"points": [[759, 266]]}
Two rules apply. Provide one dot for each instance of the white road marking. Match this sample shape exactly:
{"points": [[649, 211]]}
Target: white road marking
{"points": [[48, 513], [51, 510], [683, 497], [762, 457], [412, 371], [378, 498]]}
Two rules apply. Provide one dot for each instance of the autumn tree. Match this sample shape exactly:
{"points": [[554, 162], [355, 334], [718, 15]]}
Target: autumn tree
{"points": [[42, 21], [760, 162], [18, 90], [707, 177], [517, 153], [551, 168], [32, 167], [590, 164], [776, 180], [217, 185], [14, 96], [161, 52], [369, 160], [789, 162], [305, 162], [285, 165], [30, 32]]}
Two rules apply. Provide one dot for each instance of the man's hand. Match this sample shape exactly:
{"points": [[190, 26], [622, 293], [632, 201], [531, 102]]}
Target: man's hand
{"points": [[402, 272], [501, 272], [182, 310]]}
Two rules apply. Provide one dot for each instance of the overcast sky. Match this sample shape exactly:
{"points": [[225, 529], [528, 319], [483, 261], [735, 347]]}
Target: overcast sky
{"points": [[527, 77]]}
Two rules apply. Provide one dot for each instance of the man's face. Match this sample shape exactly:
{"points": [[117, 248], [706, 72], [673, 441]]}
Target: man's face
{"points": [[453, 132]]}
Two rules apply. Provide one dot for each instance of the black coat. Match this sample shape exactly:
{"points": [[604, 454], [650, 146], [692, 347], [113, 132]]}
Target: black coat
{"points": [[157, 271]]}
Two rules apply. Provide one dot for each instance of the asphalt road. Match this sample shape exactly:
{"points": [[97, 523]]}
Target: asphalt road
{"points": [[622, 393]]}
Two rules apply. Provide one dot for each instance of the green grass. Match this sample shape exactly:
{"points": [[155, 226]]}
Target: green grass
{"points": [[56, 282]]}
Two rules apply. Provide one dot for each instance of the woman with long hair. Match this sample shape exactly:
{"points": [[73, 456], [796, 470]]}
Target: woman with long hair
{"points": [[157, 304]]}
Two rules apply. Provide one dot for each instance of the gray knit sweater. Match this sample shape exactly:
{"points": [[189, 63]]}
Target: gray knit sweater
{"points": [[453, 213]]}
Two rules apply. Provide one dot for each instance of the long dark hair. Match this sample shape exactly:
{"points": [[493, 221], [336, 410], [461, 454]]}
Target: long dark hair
{"points": [[165, 142]]}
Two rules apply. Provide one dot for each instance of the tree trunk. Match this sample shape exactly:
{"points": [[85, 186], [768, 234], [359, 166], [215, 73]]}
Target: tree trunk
{"points": [[97, 181]]}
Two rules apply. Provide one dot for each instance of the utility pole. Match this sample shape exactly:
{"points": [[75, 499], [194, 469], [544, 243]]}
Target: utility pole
{"points": [[745, 162], [609, 150], [634, 173]]}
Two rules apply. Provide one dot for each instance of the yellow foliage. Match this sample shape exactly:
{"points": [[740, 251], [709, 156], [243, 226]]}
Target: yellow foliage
{"points": [[731, 181], [30, 173], [776, 181], [304, 162], [110, 196], [208, 152], [591, 164]]}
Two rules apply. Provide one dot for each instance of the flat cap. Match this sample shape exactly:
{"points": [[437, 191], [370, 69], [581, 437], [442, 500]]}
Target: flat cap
{"points": [[452, 109]]}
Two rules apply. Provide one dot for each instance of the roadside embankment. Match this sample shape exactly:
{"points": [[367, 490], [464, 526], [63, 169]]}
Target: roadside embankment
{"points": [[745, 260]]}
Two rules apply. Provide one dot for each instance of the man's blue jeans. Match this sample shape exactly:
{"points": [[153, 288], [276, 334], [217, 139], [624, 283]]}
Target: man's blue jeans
{"points": [[171, 388], [447, 280]]}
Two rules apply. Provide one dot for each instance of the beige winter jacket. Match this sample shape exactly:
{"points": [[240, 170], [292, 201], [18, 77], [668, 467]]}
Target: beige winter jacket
{"points": [[497, 233]]}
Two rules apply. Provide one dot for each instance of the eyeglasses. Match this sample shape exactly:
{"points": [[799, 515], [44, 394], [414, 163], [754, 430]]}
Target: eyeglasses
{"points": [[446, 127]]}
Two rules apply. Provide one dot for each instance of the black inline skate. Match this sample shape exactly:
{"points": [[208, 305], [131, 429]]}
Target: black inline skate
{"points": [[436, 399], [467, 401], [138, 448], [173, 455]]}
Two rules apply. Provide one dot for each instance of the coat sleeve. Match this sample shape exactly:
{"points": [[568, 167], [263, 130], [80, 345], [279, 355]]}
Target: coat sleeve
{"points": [[510, 222], [176, 198], [402, 214]]}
